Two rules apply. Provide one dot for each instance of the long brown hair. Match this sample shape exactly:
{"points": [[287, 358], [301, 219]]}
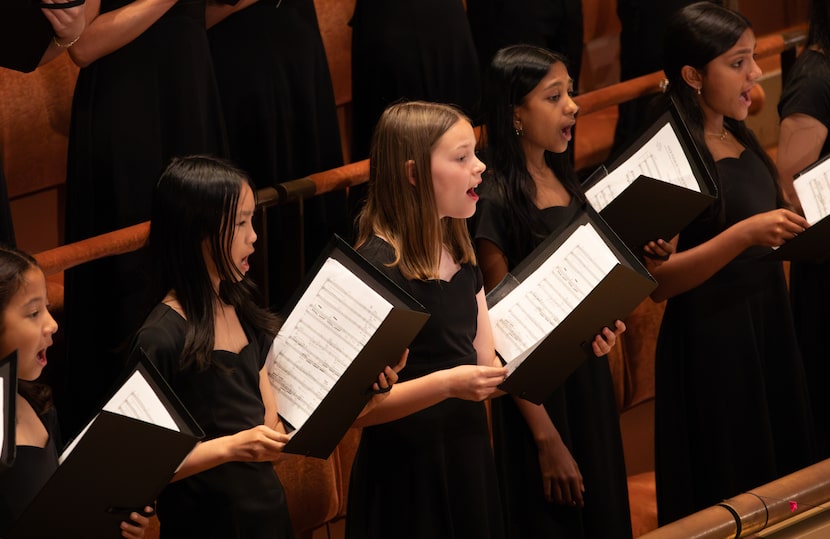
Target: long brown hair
{"points": [[404, 214]]}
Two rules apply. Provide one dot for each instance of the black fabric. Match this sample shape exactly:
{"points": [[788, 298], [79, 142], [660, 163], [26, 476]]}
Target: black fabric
{"points": [[584, 411], [282, 125], [807, 91], [641, 37], [6, 223], [556, 25], [409, 50], [25, 34], [430, 474], [235, 499], [732, 409], [33, 466], [133, 110]]}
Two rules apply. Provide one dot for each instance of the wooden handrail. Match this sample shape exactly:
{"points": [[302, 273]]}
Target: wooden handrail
{"points": [[134, 237], [615, 94], [793, 497]]}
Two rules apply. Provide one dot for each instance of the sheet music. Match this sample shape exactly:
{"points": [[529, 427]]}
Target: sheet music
{"points": [[661, 158], [329, 326], [135, 399], [813, 189], [523, 318]]}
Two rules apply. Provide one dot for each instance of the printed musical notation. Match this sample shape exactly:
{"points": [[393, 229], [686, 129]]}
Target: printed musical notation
{"points": [[813, 189], [529, 313], [326, 330], [661, 158], [135, 399]]}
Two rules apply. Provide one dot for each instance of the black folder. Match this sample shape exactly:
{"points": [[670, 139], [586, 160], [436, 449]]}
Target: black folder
{"points": [[812, 245], [8, 371], [569, 344], [329, 421], [118, 465], [25, 34], [650, 208]]}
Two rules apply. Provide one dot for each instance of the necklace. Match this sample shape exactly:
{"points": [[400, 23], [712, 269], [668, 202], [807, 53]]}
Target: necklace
{"points": [[721, 135]]}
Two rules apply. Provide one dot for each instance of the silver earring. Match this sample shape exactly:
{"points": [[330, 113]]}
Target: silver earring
{"points": [[519, 132], [699, 91]]}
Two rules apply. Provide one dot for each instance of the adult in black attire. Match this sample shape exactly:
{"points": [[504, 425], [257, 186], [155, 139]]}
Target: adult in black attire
{"points": [[281, 119], [404, 51], [555, 25], [146, 92], [31, 36], [642, 22]]}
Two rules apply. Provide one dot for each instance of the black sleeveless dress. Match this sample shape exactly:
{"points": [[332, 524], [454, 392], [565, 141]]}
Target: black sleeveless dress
{"points": [[235, 500], [133, 110], [430, 474], [583, 410], [33, 466], [731, 407]]}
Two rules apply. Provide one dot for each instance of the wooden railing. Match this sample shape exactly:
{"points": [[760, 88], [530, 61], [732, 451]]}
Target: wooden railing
{"points": [[795, 497], [131, 238]]}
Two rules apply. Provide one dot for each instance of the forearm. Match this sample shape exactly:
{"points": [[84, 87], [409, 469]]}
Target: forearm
{"points": [[205, 455], [687, 269], [407, 398], [108, 32], [538, 421], [216, 13]]}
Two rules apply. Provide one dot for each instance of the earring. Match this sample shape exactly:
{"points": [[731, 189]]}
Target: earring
{"points": [[519, 132], [699, 91]]}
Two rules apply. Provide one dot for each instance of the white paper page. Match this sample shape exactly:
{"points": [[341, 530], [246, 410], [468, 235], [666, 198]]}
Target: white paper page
{"points": [[329, 326], [523, 318], [661, 158], [813, 189], [135, 399]]}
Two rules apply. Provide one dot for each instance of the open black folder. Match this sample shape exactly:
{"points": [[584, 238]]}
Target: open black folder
{"points": [[8, 400], [344, 325], [813, 188], [116, 465], [548, 310], [25, 34], [656, 187]]}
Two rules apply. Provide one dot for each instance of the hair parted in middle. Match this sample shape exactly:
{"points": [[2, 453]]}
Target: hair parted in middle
{"points": [[404, 212], [194, 213]]}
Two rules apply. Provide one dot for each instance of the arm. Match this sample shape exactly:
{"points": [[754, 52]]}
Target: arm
{"points": [[688, 269], [469, 382], [105, 33], [800, 140], [257, 444], [68, 25], [216, 13], [561, 479]]}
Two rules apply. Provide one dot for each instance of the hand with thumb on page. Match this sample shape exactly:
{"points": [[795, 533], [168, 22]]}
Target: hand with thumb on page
{"points": [[474, 382], [257, 444], [772, 228]]}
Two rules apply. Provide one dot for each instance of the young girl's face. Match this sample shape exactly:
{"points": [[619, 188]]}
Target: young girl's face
{"points": [[456, 171], [548, 113], [28, 326], [244, 235], [727, 80]]}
